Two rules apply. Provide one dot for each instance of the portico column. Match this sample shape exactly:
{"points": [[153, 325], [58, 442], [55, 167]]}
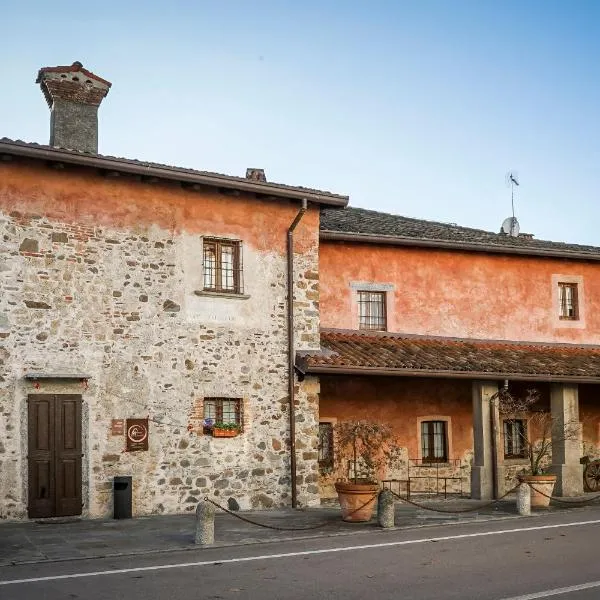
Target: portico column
{"points": [[566, 439], [482, 472]]}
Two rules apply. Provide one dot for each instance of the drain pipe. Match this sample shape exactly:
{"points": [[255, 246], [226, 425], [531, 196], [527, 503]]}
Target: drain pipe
{"points": [[291, 346]]}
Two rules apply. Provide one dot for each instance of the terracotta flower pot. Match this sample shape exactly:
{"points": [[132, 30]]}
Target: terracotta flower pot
{"points": [[224, 432], [357, 500], [537, 484]]}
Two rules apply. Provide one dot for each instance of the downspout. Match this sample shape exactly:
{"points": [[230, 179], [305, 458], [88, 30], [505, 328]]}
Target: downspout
{"points": [[291, 348]]}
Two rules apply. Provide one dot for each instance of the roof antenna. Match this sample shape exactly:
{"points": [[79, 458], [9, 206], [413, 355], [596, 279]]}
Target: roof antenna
{"points": [[510, 226]]}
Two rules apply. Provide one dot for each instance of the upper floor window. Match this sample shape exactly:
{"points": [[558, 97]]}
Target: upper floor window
{"points": [[222, 266], [372, 311], [514, 438], [568, 301], [434, 441]]}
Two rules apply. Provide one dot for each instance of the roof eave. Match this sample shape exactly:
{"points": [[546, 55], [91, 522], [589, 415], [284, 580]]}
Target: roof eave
{"points": [[475, 375], [172, 174], [451, 245]]}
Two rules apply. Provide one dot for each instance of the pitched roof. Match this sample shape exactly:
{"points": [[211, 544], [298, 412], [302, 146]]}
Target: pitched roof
{"points": [[359, 224], [380, 353], [150, 169]]}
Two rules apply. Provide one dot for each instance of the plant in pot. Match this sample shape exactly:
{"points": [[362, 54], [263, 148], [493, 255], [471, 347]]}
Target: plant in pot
{"points": [[536, 439], [365, 448], [221, 429]]}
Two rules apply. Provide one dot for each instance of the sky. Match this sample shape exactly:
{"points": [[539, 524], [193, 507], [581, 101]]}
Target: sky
{"points": [[418, 108]]}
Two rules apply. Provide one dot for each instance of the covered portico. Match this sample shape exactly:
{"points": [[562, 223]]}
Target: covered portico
{"points": [[420, 366]]}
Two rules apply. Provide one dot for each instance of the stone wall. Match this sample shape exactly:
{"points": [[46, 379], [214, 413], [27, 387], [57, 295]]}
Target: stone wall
{"points": [[100, 277]]}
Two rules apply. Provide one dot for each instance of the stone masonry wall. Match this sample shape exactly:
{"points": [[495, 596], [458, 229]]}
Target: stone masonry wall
{"points": [[100, 277]]}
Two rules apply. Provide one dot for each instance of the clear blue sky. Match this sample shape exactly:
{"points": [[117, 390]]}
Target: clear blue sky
{"points": [[417, 108]]}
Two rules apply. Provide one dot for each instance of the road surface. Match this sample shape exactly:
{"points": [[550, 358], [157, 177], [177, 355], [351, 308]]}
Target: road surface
{"points": [[553, 555]]}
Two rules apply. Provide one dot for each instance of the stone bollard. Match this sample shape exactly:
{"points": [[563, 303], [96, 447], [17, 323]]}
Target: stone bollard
{"points": [[524, 500], [205, 524], [385, 509]]}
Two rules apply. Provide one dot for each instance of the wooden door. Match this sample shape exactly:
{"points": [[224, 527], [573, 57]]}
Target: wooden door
{"points": [[54, 430]]}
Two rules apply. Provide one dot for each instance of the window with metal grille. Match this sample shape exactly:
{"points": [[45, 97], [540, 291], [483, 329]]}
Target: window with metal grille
{"points": [[434, 441], [222, 410], [371, 311], [568, 299], [514, 438], [223, 266], [325, 445]]}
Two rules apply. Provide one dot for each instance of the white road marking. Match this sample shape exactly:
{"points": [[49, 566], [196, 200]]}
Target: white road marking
{"points": [[205, 563], [557, 591]]}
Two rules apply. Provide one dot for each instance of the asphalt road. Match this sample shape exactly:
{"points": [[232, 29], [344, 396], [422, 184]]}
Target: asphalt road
{"points": [[552, 555]]}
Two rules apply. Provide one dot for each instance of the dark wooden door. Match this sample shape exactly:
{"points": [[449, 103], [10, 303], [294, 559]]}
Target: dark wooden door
{"points": [[54, 455]]}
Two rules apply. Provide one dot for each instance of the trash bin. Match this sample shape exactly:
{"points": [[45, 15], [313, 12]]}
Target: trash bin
{"points": [[122, 497]]}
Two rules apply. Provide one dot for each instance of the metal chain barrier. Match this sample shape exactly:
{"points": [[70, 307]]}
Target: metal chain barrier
{"points": [[279, 528], [575, 502], [457, 510]]}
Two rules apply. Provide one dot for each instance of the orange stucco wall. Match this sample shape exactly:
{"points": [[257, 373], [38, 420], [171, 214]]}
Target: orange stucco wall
{"points": [[399, 402], [82, 196], [460, 294]]}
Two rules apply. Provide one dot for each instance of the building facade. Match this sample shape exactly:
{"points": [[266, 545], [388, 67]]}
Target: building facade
{"points": [[146, 330], [141, 306], [423, 323]]}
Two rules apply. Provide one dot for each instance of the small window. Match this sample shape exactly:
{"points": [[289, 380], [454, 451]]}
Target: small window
{"points": [[568, 301], [325, 445], [222, 266], [514, 438], [371, 311], [434, 441], [222, 410]]}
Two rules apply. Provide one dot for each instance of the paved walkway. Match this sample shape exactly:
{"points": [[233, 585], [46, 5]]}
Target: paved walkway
{"points": [[31, 542]]}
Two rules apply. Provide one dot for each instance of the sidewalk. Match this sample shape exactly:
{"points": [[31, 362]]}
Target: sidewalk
{"points": [[31, 542]]}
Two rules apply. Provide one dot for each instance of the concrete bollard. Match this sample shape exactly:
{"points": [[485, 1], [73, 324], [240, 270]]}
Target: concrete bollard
{"points": [[205, 524], [385, 509], [524, 500]]}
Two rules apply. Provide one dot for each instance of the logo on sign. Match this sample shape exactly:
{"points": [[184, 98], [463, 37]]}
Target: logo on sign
{"points": [[137, 433]]}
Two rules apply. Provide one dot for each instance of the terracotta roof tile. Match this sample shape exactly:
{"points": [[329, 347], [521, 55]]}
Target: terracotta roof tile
{"points": [[406, 354]]}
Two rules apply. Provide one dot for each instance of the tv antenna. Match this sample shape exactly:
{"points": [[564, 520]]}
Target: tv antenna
{"points": [[510, 226]]}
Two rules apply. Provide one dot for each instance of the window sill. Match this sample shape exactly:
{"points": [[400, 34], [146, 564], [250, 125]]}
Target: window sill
{"points": [[221, 294]]}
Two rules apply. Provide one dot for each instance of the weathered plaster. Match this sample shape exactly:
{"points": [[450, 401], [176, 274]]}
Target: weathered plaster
{"points": [[461, 294]]}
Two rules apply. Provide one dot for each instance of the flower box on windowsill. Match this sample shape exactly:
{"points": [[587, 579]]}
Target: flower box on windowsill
{"points": [[224, 433]]}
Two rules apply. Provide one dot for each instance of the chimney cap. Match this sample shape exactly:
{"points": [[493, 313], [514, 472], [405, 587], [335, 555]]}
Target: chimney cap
{"points": [[256, 174], [74, 68]]}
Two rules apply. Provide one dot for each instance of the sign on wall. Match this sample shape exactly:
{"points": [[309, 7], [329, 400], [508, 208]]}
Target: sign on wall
{"points": [[117, 427], [137, 435]]}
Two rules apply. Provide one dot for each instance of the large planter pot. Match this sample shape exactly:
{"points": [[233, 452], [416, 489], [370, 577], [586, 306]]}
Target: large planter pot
{"points": [[537, 484], [357, 500]]}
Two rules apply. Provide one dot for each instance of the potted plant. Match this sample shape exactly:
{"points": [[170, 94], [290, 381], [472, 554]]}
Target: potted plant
{"points": [[365, 448], [221, 429], [536, 439]]}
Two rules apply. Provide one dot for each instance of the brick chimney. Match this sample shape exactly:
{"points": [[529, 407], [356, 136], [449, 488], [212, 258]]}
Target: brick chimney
{"points": [[73, 95], [256, 174]]}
